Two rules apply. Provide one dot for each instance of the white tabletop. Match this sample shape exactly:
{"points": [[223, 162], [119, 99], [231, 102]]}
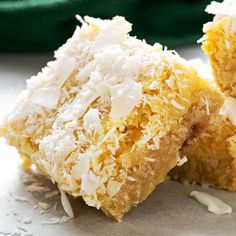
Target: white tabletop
{"points": [[168, 211]]}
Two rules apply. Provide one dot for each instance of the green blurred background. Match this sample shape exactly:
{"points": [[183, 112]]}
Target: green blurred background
{"points": [[43, 25]]}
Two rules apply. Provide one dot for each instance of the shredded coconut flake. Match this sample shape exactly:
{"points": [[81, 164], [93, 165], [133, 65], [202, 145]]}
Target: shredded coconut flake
{"points": [[181, 161], [21, 199], [225, 8], [203, 69], [108, 36], [153, 85], [36, 188], [82, 167], [57, 220], [229, 109], [124, 98], [90, 183], [130, 178], [113, 188], [66, 204], [149, 159], [26, 220], [51, 194], [177, 105], [92, 121], [44, 205], [46, 97], [214, 204]]}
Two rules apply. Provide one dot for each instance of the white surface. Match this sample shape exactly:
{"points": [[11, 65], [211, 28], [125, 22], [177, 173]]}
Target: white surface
{"points": [[168, 211]]}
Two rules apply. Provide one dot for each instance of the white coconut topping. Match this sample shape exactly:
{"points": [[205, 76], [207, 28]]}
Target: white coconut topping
{"points": [[177, 105], [82, 167], [92, 121], [229, 109], [113, 188], [64, 68], [46, 97], [181, 161], [153, 85], [108, 36], [214, 204], [226, 8], [66, 204], [58, 145], [203, 69], [90, 183], [124, 97]]}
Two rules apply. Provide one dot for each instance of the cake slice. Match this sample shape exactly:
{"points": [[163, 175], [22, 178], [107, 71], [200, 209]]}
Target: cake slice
{"points": [[211, 159], [106, 119], [219, 43]]}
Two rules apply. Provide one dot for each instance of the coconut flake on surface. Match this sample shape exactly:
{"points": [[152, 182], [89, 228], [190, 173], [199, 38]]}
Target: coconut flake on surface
{"points": [[113, 187], [58, 144], [108, 36], [92, 121], [153, 85], [44, 205], [63, 69], [229, 109], [51, 194], [177, 105], [86, 70], [46, 97], [36, 188], [214, 204], [203, 69], [225, 8], [66, 204], [57, 220], [82, 167], [124, 97], [26, 220], [181, 161], [90, 183], [21, 199]]}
